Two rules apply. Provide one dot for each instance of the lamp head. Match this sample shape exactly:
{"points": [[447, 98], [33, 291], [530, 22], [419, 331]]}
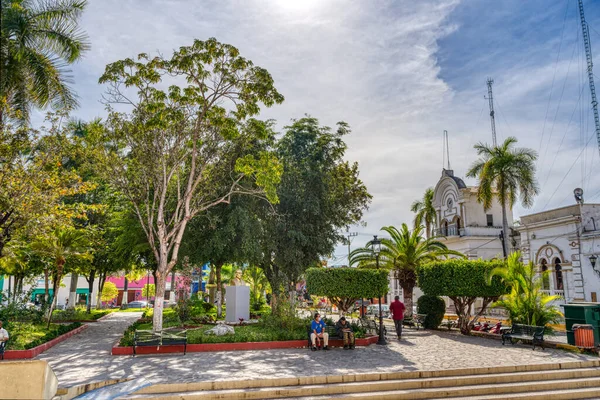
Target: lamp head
{"points": [[578, 193], [376, 245]]}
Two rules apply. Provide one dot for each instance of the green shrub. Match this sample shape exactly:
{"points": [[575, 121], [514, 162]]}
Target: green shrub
{"points": [[463, 281], [343, 286], [434, 307], [61, 330]]}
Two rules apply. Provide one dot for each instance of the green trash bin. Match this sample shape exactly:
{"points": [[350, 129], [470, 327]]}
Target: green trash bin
{"points": [[582, 313]]}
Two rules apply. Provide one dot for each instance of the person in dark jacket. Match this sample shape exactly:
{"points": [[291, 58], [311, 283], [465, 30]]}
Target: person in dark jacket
{"points": [[344, 331]]}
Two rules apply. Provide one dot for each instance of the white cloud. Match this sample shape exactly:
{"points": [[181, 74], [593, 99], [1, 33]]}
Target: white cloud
{"points": [[371, 63]]}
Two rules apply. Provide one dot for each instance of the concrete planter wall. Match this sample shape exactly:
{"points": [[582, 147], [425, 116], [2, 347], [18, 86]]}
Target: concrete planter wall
{"points": [[199, 348], [36, 351]]}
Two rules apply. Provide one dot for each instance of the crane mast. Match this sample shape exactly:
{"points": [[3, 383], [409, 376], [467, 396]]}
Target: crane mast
{"points": [[590, 71]]}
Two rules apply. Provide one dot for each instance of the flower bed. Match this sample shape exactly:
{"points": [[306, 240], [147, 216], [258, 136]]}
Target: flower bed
{"points": [[209, 347], [50, 339]]}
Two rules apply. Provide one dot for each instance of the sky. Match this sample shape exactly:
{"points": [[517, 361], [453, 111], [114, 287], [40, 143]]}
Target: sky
{"points": [[400, 73]]}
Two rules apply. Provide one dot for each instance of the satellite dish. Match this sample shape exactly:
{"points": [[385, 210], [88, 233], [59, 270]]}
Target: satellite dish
{"points": [[578, 195]]}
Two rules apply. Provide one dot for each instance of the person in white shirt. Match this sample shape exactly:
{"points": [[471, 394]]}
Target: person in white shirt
{"points": [[3, 334]]}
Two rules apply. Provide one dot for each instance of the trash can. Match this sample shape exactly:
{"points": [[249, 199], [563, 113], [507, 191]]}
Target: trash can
{"points": [[584, 335], [582, 314]]}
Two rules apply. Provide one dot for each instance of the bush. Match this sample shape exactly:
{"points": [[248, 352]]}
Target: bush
{"points": [[463, 281], [434, 307], [61, 330], [343, 286]]}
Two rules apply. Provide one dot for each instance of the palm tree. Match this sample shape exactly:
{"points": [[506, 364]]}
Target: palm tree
{"points": [[426, 214], [403, 253], [505, 173], [63, 244], [38, 39], [526, 303]]}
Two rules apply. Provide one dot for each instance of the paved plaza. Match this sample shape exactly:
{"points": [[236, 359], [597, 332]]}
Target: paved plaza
{"points": [[86, 357]]}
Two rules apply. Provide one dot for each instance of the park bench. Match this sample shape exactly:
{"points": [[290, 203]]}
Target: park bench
{"points": [[371, 326], [415, 321], [164, 338], [2, 347], [525, 332], [328, 328]]}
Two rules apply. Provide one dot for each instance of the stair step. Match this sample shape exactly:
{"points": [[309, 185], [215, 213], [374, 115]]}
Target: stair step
{"points": [[570, 394], [582, 387], [170, 388], [473, 385]]}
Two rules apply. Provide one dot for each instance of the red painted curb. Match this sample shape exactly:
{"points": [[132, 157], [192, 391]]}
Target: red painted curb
{"points": [[206, 347], [36, 351]]}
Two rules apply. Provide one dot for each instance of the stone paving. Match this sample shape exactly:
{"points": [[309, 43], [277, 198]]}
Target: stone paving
{"points": [[86, 357]]}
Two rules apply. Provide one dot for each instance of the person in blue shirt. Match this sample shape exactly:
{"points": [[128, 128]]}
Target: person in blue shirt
{"points": [[318, 333]]}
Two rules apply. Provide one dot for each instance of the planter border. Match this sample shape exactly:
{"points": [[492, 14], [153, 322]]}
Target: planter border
{"points": [[83, 321], [240, 346], [36, 351]]}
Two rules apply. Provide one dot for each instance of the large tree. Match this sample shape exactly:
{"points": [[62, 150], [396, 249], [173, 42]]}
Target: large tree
{"points": [[403, 253], [320, 195], [425, 212], [505, 173], [38, 39], [175, 152]]}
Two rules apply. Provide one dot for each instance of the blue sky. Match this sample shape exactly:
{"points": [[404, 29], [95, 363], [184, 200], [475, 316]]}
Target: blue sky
{"points": [[399, 72]]}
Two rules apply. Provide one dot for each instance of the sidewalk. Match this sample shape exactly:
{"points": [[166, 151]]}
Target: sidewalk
{"points": [[86, 357]]}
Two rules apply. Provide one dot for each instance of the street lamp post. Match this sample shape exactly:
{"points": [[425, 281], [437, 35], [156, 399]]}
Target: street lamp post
{"points": [[376, 243]]}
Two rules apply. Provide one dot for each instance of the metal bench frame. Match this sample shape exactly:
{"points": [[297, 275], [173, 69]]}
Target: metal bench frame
{"points": [[525, 332], [328, 328], [163, 338]]}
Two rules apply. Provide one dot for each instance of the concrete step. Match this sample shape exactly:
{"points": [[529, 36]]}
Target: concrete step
{"points": [[364, 378], [586, 393], [571, 389], [397, 388]]}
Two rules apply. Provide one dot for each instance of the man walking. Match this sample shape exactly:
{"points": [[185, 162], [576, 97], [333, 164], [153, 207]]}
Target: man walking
{"points": [[397, 310]]}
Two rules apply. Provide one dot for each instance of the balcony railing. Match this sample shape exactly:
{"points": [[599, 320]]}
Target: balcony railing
{"points": [[552, 292], [452, 230]]}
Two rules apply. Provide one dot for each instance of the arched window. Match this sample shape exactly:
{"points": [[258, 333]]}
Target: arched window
{"points": [[558, 274], [545, 276]]}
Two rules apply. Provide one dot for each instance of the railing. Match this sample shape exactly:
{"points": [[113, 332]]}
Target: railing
{"points": [[452, 230]]}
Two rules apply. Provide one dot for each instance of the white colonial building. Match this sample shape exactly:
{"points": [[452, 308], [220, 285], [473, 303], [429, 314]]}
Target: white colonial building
{"points": [[565, 241], [467, 226]]}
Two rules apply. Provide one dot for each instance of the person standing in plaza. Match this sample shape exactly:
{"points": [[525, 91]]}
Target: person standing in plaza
{"points": [[397, 310], [3, 335]]}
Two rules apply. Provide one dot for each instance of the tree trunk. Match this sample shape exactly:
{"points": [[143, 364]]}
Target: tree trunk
{"points": [[220, 294], [101, 280], [90, 279], [73, 290], [211, 287], [174, 286], [46, 288], [407, 294], [160, 285], [125, 297], [504, 228], [55, 287], [427, 230]]}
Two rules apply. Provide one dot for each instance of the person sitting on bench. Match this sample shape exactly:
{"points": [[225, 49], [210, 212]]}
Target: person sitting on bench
{"points": [[344, 331], [318, 333]]}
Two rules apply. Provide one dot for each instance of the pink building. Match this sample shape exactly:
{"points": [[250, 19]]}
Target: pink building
{"points": [[134, 288]]}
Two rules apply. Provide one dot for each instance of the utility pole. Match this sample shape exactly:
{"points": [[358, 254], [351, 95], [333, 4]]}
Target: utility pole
{"points": [[590, 69], [490, 81], [350, 236]]}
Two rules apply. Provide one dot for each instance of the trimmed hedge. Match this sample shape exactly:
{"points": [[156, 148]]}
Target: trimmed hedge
{"points": [[457, 277], [434, 307], [343, 286]]}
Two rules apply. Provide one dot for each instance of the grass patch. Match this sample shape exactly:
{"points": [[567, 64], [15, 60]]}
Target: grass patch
{"points": [[27, 335], [78, 314], [245, 333]]}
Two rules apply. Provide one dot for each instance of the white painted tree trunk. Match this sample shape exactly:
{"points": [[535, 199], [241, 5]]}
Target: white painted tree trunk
{"points": [[159, 298], [73, 291]]}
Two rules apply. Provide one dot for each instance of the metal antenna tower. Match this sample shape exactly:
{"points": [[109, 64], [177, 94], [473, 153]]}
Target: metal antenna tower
{"points": [[590, 71], [446, 160], [490, 81]]}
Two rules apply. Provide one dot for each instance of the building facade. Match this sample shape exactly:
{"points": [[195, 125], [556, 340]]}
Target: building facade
{"points": [[563, 242], [465, 224]]}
